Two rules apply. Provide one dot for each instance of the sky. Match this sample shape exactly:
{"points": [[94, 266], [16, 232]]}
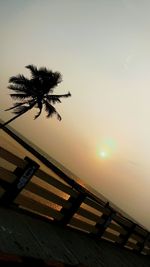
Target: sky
{"points": [[101, 47]]}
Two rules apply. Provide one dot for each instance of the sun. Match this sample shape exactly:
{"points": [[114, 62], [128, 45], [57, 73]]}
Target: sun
{"points": [[107, 148], [103, 154]]}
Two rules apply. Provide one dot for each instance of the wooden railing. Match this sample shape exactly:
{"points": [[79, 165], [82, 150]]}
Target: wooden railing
{"points": [[31, 188]]}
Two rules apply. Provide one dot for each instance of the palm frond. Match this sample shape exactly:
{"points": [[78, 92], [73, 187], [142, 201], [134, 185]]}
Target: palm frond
{"points": [[15, 105], [30, 90], [50, 80], [33, 69], [56, 77], [19, 96], [19, 79], [64, 95], [20, 109], [39, 106], [50, 74], [53, 99], [27, 106], [43, 70], [51, 110], [56, 98], [17, 88]]}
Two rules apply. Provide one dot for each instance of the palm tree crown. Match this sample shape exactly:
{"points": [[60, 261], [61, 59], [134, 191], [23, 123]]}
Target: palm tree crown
{"points": [[36, 92]]}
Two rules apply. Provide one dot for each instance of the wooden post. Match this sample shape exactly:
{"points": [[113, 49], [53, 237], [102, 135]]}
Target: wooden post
{"points": [[106, 220], [124, 238], [140, 245], [23, 177], [75, 204]]}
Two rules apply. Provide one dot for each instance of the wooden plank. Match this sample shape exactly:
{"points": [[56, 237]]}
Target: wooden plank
{"points": [[7, 175], [142, 245], [146, 251], [54, 182], [81, 225], [89, 215], [140, 231], [124, 238], [36, 206], [136, 237], [96, 206], [110, 236], [122, 221], [147, 243], [117, 228], [48, 195], [10, 157], [131, 245]]}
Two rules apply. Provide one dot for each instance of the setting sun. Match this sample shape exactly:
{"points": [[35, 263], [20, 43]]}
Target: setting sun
{"points": [[107, 148], [103, 154]]}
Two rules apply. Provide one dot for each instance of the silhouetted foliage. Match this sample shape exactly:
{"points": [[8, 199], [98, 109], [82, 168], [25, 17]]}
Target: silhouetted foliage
{"points": [[36, 92]]}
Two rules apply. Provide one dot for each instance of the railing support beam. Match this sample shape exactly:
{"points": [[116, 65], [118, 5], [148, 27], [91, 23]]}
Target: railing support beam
{"points": [[23, 177], [75, 204]]}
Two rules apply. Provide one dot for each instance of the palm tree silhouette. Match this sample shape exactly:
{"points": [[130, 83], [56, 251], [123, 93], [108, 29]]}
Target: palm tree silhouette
{"points": [[36, 92]]}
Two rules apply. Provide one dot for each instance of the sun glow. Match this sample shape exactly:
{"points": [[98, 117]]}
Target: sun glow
{"points": [[107, 148], [103, 154]]}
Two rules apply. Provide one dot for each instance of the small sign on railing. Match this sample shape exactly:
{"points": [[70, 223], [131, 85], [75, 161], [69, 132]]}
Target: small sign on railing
{"points": [[23, 177]]}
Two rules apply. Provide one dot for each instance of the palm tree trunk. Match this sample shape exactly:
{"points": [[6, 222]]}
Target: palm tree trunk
{"points": [[12, 119]]}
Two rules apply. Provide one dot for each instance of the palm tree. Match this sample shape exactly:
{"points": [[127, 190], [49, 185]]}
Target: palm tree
{"points": [[36, 92]]}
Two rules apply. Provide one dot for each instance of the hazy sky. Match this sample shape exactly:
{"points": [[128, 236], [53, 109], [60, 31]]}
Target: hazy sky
{"points": [[102, 48]]}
